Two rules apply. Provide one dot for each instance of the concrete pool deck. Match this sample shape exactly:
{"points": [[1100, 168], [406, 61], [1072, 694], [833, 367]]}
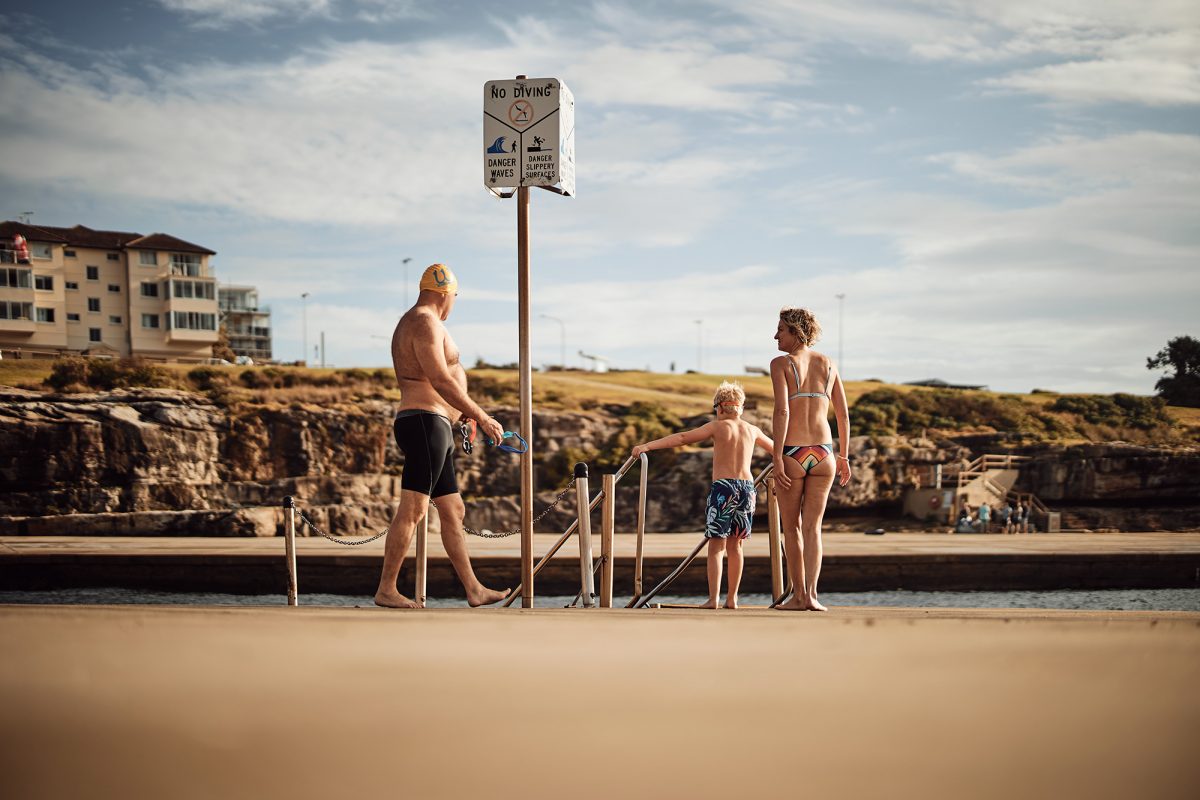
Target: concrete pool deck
{"points": [[121, 702], [853, 562]]}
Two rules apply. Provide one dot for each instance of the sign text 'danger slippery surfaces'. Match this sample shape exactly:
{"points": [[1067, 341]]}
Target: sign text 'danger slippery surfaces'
{"points": [[529, 135]]}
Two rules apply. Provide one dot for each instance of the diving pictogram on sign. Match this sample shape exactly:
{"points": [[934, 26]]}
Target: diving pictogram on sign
{"points": [[520, 113]]}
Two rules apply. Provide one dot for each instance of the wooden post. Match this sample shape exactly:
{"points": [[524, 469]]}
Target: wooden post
{"points": [[289, 549], [774, 532], [422, 559], [587, 572], [526, 395], [607, 525], [641, 526]]}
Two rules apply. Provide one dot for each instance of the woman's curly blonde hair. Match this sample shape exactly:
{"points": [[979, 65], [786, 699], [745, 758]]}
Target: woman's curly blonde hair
{"points": [[802, 323]]}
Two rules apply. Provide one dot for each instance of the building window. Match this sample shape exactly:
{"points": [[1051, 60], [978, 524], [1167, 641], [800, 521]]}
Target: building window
{"points": [[93, 304], [45, 314], [41, 251], [114, 287], [69, 253], [72, 317], [149, 289], [14, 310], [149, 320], [73, 285], [185, 264], [113, 319], [111, 256], [93, 273], [194, 320], [148, 258], [43, 282], [93, 334], [200, 290], [16, 278]]}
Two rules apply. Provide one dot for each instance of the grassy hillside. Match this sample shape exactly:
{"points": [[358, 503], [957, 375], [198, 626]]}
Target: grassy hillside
{"points": [[877, 408]]}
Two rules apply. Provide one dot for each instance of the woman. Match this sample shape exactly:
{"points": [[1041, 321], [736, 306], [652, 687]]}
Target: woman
{"points": [[806, 383]]}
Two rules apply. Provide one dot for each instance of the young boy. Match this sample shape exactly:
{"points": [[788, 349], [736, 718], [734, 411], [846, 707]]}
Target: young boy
{"points": [[731, 498]]}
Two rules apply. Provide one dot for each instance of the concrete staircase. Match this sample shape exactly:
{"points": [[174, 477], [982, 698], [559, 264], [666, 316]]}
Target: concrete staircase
{"points": [[989, 478]]}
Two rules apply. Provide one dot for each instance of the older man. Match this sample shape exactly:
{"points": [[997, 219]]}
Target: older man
{"points": [[433, 387]]}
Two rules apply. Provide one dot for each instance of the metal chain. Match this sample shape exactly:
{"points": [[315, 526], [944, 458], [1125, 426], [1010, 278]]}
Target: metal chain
{"points": [[338, 539], [481, 534], [536, 520]]}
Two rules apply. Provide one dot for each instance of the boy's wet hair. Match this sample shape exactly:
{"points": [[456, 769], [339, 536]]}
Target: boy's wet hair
{"points": [[729, 392]]}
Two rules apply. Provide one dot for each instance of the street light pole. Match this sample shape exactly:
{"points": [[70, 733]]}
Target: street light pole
{"points": [[562, 339], [841, 364], [699, 345], [405, 262], [304, 317]]}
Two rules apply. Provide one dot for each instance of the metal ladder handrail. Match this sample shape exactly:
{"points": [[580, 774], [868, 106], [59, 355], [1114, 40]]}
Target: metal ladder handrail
{"points": [[574, 526], [640, 602]]}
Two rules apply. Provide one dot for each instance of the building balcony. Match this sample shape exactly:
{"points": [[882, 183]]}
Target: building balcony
{"points": [[192, 336], [18, 326]]}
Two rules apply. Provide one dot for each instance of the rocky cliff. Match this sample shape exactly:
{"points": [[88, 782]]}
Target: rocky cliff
{"points": [[163, 462]]}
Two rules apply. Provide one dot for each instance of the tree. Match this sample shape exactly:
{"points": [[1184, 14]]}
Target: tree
{"points": [[1182, 355], [221, 348]]}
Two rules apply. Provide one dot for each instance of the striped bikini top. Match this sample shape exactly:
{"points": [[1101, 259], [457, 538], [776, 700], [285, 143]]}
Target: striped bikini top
{"points": [[799, 393]]}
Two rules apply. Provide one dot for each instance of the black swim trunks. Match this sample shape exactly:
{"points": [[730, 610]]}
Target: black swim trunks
{"points": [[428, 447]]}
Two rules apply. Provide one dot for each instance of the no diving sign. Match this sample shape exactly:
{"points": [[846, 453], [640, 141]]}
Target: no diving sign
{"points": [[529, 135]]}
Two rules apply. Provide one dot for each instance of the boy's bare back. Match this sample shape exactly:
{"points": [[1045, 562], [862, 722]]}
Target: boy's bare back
{"points": [[733, 446]]}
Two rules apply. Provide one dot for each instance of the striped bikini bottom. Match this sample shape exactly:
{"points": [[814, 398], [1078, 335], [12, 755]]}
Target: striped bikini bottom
{"points": [[808, 455]]}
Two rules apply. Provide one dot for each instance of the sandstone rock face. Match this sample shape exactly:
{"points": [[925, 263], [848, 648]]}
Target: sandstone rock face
{"points": [[161, 462]]}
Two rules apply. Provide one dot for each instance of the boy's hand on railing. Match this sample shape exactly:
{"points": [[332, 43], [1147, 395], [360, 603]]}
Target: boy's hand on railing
{"points": [[638, 449]]}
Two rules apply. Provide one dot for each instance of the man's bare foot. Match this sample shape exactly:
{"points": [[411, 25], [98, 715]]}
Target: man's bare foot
{"points": [[710, 604], [484, 596], [812, 604], [731, 604], [792, 605], [393, 600]]}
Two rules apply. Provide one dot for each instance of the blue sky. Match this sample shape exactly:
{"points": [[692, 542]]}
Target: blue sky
{"points": [[1006, 193]]}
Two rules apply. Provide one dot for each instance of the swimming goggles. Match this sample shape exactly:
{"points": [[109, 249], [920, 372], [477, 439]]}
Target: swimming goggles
{"points": [[468, 430]]}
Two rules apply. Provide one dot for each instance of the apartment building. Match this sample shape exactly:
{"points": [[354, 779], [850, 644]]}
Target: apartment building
{"points": [[108, 293], [247, 324]]}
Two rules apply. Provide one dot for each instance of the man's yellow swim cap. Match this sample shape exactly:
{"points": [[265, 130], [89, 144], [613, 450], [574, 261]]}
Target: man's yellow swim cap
{"points": [[439, 278]]}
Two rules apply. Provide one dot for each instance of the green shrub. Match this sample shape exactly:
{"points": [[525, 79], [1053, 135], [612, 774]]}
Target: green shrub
{"points": [[1118, 410], [105, 374]]}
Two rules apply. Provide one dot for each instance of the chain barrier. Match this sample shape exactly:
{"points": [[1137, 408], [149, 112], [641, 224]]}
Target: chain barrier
{"points": [[484, 534]]}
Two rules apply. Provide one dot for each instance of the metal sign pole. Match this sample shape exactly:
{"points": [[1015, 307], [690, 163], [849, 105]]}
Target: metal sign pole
{"points": [[526, 397]]}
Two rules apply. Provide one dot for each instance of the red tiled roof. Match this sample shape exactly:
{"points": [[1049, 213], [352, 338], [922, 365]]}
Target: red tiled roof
{"points": [[83, 236], [32, 233], [162, 241]]}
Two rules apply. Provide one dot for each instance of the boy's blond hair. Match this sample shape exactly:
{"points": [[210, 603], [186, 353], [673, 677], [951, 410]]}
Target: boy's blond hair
{"points": [[729, 392]]}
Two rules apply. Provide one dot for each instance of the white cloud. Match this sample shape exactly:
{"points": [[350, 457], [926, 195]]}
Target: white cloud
{"points": [[223, 12]]}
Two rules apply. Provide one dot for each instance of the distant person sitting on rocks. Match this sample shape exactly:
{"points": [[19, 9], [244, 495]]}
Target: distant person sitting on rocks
{"points": [[964, 523], [730, 508], [433, 389]]}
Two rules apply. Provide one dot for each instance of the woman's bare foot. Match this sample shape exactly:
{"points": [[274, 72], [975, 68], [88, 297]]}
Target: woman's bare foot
{"points": [[792, 605], [484, 596], [731, 604], [393, 599], [812, 604], [712, 603]]}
